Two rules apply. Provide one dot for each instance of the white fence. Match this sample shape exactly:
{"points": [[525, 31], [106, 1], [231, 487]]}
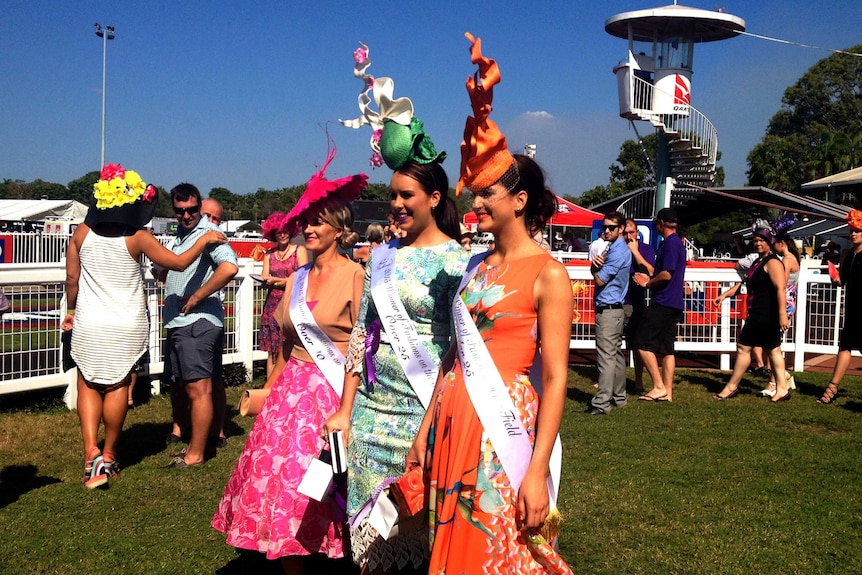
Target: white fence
{"points": [[31, 349]]}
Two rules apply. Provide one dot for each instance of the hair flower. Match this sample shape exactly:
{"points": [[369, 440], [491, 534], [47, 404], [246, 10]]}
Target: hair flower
{"points": [[118, 187], [360, 55], [111, 171]]}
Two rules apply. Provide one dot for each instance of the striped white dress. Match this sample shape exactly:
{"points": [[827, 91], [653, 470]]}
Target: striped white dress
{"points": [[110, 329]]}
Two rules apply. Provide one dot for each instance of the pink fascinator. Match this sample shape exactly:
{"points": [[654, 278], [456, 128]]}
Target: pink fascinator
{"points": [[319, 188], [275, 222]]}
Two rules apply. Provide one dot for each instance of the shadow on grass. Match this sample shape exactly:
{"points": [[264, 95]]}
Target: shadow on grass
{"points": [[141, 440], [16, 480], [254, 562], [587, 372]]}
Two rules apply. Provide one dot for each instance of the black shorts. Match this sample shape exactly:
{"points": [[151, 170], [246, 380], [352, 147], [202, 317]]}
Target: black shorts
{"points": [[194, 352], [761, 332], [657, 330]]}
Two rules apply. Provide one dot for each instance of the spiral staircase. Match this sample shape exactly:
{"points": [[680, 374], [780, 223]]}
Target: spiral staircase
{"points": [[692, 140]]}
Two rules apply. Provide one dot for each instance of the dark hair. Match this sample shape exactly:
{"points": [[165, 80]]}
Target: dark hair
{"points": [[432, 177], [182, 192], [616, 217], [790, 243], [541, 202]]}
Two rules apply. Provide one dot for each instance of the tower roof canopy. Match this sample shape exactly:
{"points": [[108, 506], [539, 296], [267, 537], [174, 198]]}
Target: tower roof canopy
{"points": [[675, 21]]}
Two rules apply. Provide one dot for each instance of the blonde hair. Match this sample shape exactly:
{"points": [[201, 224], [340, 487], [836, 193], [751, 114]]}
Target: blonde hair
{"points": [[336, 212]]}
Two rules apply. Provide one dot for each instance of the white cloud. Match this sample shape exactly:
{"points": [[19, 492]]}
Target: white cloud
{"points": [[540, 114]]}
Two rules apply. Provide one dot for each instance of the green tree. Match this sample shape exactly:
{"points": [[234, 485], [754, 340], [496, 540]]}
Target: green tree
{"points": [[81, 190], [633, 170], [818, 130]]}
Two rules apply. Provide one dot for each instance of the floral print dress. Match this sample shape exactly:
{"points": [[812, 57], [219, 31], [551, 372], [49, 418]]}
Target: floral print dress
{"points": [[387, 413], [472, 505]]}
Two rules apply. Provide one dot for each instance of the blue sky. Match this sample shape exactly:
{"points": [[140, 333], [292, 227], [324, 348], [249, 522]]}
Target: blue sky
{"points": [[236, 94]]}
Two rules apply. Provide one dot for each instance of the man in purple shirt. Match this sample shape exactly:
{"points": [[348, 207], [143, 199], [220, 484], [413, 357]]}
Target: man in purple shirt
{"points": [[657, 331]]}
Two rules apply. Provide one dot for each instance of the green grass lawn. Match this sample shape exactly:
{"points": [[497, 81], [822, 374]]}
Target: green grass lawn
{"points": [[697, 486]]}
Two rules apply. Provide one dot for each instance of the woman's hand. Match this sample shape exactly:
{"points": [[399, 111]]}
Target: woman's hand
{"points": [[68, 322], [215, 237], [533, 501], [416, 455], [338, 420], [783, 322], [717, 301]]}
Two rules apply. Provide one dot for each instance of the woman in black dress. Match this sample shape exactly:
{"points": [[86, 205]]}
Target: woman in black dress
{"points": [[850, 277], [767, 317]]}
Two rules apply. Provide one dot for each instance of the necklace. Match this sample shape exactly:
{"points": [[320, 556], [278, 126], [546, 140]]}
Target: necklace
{"points": [[283, 255]]}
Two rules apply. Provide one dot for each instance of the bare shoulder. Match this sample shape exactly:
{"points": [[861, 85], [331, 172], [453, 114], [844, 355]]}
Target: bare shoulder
{"points": [[79, 234], [553, 282]]}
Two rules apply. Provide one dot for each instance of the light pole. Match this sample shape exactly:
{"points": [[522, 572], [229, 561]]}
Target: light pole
{"points": [[105, 35]]}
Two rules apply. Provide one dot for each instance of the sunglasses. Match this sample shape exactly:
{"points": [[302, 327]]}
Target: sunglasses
{"points": [[608, 228], [192, 210]]}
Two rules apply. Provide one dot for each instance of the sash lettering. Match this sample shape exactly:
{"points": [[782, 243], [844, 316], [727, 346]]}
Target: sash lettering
{"points": [[491, 398], [327, 357], [418, 365]]}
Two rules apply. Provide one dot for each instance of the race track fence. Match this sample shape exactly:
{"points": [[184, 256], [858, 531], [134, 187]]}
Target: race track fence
{"points": [[31, 347]]}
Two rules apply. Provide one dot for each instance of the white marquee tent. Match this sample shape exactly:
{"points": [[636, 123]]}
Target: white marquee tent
{"points": [[39, 210]]}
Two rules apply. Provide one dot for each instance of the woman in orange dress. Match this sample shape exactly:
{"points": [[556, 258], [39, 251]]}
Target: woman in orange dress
{"points": [[487, 516]]}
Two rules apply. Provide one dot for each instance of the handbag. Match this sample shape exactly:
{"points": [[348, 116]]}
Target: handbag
{"points": [[251, 401], [409, 491]]}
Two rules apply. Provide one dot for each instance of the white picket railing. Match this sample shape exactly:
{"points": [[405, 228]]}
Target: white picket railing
{"points": [[31, 351]]}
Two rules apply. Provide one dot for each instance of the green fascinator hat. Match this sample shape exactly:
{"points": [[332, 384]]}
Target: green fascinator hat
{"points": [[398, 136]]}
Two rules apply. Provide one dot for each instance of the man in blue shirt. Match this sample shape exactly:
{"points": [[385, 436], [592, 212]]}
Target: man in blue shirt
{"points": [[610, 271], [194, 318], [657, 332]]}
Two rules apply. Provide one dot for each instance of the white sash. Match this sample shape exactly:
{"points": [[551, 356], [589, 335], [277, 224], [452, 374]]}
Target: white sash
{"points": [[418, 365], [328, 358], [491, 399]]}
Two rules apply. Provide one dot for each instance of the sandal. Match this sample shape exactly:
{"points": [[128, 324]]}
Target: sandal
{"points": [[830, 394], [96, 476], [112, 469]]}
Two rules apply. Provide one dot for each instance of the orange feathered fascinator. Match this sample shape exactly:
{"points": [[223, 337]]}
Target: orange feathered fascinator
{"points": [[854, 219], [485, 159]]}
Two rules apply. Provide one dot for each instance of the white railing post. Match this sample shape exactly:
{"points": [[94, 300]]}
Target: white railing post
{"points": [[724, 358], [801, 323], [244, 315], [153, 342]]}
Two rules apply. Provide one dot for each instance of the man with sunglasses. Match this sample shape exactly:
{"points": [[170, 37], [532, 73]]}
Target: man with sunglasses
{"points": [[194, 318], [610, 271]]}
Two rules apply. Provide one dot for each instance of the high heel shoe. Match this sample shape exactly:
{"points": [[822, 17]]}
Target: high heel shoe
{"points": [[791, 381], [830, 394], [730, 395]]}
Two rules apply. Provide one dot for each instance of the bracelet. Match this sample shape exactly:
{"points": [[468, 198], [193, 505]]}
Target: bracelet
{"points": [[70, 312]]}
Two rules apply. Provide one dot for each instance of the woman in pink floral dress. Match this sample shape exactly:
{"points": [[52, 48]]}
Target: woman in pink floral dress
{"points": [[262, 509]]}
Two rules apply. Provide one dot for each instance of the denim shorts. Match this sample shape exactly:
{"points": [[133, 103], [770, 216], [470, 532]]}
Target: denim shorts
{"points": [[194, 352]]}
